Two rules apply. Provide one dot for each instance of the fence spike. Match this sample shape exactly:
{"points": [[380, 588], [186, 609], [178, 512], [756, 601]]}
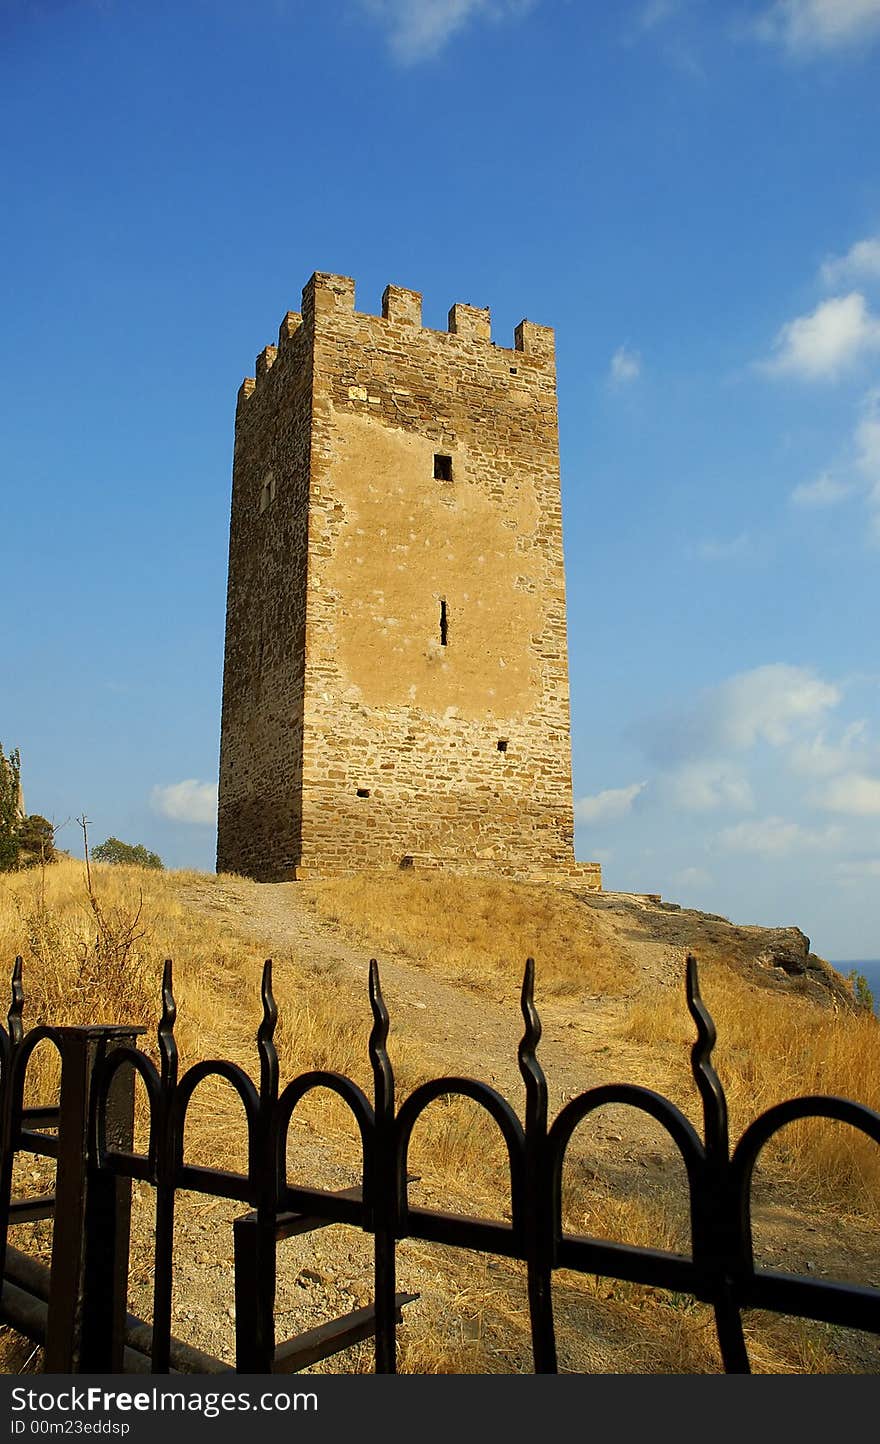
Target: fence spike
{"points": [[16, 1007], [167, 1045], [705, 1077], [381, 1019], [383, 1077], [532, 1035], [266, 1038], [529, 1067]]}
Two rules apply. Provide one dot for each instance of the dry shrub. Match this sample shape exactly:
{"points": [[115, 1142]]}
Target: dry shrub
{"points": [[422, 1352], [83, 966], [598, 1208], [476, 930], [780, 1344], [772, 1047], [455, 1139], [318, 1028], [96, 957]]}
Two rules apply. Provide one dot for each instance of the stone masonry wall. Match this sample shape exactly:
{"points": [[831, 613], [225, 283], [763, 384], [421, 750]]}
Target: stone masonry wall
{"points": [[261, 732], [396, 688]]}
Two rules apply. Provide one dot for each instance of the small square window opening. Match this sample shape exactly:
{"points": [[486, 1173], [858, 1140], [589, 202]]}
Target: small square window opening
{"points": [[502, 744], [442, 467]]}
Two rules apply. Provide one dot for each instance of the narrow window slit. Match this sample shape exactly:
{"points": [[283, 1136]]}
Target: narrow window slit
{"points": [[267, 491], [444, 623]]}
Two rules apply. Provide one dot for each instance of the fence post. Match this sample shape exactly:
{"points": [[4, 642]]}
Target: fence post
{"points": [[89, 1277], [255, 1263]]}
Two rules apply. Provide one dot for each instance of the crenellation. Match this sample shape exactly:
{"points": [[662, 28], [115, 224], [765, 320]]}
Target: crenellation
{"points": [[532, 340], [324, 295], [288, 329], [402, 306], [470, 323], [266, 360]]}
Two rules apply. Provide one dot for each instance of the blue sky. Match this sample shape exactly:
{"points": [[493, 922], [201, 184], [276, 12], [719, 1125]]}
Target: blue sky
{"points": [[688, 191]]}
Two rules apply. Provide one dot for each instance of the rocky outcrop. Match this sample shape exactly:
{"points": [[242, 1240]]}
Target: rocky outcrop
{"points": [[777, 958]]}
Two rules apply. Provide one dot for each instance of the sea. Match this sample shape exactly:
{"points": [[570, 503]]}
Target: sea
{"points": [[870, 970]]}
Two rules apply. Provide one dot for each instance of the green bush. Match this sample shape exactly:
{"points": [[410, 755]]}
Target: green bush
{"points": [[861, 989], [134, 854], [36, 840], [10, 793]]}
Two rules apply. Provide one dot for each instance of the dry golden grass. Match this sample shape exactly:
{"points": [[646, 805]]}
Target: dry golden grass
{"points": [[79, 968], [84, 964], [74, 974], [476, 929], [772, 1047], [597, 1208]]}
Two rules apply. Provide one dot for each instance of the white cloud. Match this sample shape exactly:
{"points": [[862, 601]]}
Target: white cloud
{"points": [[736, 549], [807, 27], [707, 785], [816, 757], [766, 702], [853, 793], [819, 346], [826, 490], [654, 13], [608, 806], [626, 365], [864, 470], [654, 20], [693, 877], [420, 29], [188, 801], [861, 260], [868, 438], [855, 870], [867, 449], [772, 703], [776, 837]]}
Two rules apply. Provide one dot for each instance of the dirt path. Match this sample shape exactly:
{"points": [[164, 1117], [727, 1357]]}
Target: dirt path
{"points": [[472, 1311], [459, 1031]]}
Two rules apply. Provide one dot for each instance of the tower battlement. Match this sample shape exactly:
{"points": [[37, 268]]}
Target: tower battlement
{"points": [[396, 676], [327, 296]]}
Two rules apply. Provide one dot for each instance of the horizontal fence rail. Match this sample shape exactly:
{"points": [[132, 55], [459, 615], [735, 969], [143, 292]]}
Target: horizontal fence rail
{"points": [[77, 1307]]}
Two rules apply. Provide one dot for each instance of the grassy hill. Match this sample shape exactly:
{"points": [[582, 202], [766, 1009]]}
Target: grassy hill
{"points": [[610, 991]]}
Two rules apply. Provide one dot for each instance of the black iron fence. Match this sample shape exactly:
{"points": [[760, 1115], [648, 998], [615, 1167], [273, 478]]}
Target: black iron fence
{"points": [[77, 1307]]}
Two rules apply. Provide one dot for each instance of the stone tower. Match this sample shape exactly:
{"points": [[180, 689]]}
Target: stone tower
{"points": [[395, 689]]}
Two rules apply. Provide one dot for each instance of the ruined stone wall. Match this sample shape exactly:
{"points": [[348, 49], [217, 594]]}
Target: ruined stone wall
{"points": [[396, 669]]}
